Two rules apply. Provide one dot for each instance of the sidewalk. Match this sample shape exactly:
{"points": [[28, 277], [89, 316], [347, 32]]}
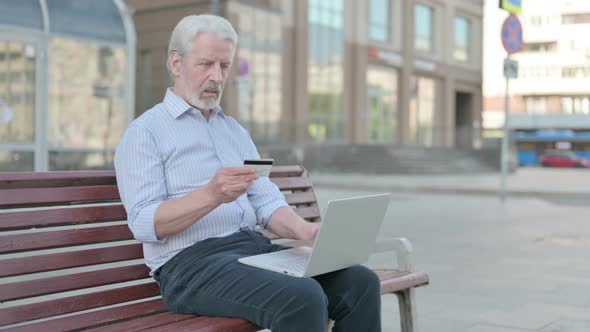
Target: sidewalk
{"points": [[514, 266], [527, 182]]}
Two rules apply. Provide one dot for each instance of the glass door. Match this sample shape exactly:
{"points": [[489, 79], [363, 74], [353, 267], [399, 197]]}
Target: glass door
{"points": [[18, 78], [381, 113]]}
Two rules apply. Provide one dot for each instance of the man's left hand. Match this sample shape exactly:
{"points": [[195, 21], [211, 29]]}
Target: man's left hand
{"points": [[311, 232]]}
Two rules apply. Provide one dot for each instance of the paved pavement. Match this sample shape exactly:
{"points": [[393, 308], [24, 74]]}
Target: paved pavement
{"points": [[516, 266]]}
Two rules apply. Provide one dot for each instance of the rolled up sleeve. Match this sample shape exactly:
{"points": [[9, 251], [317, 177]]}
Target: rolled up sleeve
{"points": [[141, 181], [266, 198]]}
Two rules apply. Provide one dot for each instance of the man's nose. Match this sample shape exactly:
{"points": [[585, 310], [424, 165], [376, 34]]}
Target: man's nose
{"points": [[216, 75]]}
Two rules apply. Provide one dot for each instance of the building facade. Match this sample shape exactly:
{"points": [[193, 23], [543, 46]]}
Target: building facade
{"points": [[550, 99], [336, 71]]}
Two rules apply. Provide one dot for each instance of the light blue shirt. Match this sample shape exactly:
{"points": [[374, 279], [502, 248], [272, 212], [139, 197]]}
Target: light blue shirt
{"points": [[172, 150]]}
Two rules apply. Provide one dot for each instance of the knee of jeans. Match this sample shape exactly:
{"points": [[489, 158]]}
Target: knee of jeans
{"points": [[365, 278], [307, 300]]}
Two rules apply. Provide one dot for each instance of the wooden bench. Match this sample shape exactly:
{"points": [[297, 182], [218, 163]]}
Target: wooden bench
{"points": [[68, 261]]}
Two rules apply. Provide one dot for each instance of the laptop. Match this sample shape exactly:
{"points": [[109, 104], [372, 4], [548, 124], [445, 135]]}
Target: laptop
{"points": [[346, 237]]}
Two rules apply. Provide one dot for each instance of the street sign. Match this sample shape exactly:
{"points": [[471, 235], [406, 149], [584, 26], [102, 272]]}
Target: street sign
{"points": [[512, 34], [511, 6], [510, 68]]}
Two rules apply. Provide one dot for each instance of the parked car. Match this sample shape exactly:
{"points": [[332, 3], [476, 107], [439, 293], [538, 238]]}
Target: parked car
{"points": [[557, 158]]}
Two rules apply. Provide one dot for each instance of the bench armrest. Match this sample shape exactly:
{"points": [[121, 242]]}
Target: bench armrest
{"points": [[403, 250]]}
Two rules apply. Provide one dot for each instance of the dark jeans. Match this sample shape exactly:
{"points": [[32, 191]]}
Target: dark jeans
{"points": [[206, 279]]}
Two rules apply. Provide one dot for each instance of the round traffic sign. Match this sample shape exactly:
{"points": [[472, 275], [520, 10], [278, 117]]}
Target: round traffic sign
{"points": [[512, 34]]}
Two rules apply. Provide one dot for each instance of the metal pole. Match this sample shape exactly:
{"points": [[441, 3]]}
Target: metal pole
{"points": [[505, 139]]}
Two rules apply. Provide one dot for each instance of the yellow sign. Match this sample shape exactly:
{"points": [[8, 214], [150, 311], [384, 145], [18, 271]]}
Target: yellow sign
{"points": [[511, 6]]}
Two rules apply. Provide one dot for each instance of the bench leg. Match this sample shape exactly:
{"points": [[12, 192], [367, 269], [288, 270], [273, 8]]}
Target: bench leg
{"points": [[407, 310]]}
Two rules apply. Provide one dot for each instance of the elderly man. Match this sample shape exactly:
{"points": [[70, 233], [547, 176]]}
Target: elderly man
{"points": [[194, 206]]}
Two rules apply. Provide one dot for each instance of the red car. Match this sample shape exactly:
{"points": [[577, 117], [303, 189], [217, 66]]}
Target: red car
{"points": [[563, 159]]}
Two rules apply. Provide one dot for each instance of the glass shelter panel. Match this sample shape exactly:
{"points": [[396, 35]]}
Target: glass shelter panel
{"points": [[17, 105], [21, 13], [90, 19], [86, 98], [17, 92]]}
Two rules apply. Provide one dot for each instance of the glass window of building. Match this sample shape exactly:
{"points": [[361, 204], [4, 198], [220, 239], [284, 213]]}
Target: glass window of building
{"points": [[422, 107], [68, 110], [379, 20], [578, 18], [539, 47], [382, 107], [259, 73], [575, 105], [536, 105], [462, 38], [423, 31], [575, 72], [325, 72]]}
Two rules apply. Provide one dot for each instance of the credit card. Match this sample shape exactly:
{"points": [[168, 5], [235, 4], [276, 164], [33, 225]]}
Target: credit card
{"points": [[262, 166]]}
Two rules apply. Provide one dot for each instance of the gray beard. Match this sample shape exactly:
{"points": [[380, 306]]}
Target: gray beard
{"points": [[205, 104]]}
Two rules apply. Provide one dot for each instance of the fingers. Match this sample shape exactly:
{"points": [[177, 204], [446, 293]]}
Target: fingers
{"points": [[240, 187], [238, 170]]}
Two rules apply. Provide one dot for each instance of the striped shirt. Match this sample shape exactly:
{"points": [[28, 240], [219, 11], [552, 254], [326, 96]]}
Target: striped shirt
{"points": [[172, 150]]}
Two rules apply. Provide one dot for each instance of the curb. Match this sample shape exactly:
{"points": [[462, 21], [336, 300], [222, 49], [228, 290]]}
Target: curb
{"points": [[452, 190]]}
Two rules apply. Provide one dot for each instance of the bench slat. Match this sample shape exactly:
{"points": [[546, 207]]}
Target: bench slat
{"points": [[26, 312], [292, 183], [13, 180], [38, 287], [63, 238], [61, 217], [212, 324], [309, 213], [51, 262], [299, 198], [55, 196], [286, 171], [98, 318], [9, 180], [143, 323]]}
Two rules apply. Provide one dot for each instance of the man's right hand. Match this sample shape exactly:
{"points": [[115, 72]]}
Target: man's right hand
{"points": [[229, 183]]}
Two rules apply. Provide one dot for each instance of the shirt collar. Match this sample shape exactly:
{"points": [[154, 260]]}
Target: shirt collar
{"points": [[177, 106]]}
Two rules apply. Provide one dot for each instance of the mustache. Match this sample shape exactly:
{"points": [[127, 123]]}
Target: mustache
{"points": [[212, 87]]}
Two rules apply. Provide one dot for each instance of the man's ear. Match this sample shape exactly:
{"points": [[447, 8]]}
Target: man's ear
{"points": [[174, 63]]}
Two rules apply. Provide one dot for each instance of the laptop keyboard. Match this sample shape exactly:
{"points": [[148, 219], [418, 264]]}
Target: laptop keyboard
{"points": [[296, 263]]}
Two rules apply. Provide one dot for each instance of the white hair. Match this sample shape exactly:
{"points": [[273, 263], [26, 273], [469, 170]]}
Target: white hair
{"points": [[190, 26]]}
